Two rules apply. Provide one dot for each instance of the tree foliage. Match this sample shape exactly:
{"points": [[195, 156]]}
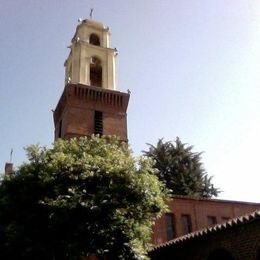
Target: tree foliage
{"points": [[81, 197], [181, 169]]}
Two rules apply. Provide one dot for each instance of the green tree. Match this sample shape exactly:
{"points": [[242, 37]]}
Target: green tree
{"points": [[181, 169], [81, 197]]}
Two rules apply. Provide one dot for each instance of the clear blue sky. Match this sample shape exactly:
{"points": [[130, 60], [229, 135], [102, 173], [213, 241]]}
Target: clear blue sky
{"points": [[192, 67]]}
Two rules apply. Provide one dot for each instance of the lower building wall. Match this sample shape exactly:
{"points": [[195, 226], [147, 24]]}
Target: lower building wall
{"points": [[198, 210], [239, 242]]}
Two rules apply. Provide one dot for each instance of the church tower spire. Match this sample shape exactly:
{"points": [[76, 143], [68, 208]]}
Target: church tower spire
{"points": [[90, 103]]}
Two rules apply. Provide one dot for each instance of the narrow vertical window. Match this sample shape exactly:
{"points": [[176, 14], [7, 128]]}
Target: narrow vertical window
{"points": [[70, 72], [212, 220], [60, 129], [186, 224], [98, 123], [170, 226], [95, 72]]}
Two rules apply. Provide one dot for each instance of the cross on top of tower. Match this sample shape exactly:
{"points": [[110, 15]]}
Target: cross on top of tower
{"points": [[91, 13]]}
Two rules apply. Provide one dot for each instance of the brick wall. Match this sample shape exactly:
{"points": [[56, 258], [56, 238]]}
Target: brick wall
{"points": [[242, 242], [199, 210], [78, 104]]}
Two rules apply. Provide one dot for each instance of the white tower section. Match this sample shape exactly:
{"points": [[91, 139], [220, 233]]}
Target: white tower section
{"points": [[91, 61]]}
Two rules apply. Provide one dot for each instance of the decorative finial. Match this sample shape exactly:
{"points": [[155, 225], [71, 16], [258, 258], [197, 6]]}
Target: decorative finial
{"points": [[91, 13], [11, 155], [116, 51]]}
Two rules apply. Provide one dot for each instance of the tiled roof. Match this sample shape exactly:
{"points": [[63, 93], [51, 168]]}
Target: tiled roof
{"points": [[213, 229], [214, 200]]}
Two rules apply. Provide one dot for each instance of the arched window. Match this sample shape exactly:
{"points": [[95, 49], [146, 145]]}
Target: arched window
{"points": [[94, 39], [95, 72], [220, 253]]}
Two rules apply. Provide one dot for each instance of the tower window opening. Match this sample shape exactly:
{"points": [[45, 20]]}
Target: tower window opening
{"points": [[98, 123], [94, 39], [60, 129], [95, 72], [70, 71]]}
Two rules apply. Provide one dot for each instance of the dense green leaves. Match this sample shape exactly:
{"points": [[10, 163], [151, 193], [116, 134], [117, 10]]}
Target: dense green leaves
{"points": [[82, 197], [181, 169]]}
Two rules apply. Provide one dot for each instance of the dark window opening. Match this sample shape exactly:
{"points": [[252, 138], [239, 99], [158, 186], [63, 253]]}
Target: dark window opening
{"points": [[98, 124], [220, 254], [70, 73], [224, 219], [60, 128], [95, 72], [170, 226], [94, 39], [186, 224], [212, 220], [258, 253]]}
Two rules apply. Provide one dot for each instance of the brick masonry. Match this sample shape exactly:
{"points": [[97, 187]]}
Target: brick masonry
{"points": [[199, 210], [78, 104], [241, 242]]}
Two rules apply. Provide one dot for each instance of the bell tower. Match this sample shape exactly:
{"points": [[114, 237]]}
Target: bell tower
{"points": [[90, 103]]}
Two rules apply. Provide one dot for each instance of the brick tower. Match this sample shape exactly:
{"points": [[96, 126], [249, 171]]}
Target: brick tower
{"points": [[90, 103]]}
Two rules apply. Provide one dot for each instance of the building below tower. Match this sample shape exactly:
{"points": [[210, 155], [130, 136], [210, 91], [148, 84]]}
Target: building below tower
{"points": [[187, 214]]}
